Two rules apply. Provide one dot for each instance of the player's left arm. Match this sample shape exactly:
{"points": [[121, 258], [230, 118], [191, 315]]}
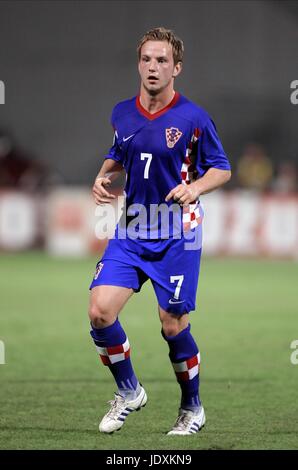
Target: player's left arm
{"points": [[212, 179]]}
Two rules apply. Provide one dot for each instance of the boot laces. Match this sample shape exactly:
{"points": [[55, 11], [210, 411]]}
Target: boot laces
{"points": [[183, 421], [116, 406]]}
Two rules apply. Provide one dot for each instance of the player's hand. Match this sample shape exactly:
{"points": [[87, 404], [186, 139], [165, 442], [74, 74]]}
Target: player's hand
{"points": [[183, 194], [100, 193]]}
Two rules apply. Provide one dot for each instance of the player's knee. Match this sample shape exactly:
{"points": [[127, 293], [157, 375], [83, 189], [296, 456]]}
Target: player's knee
{"points": [[172, 325], [170, 328], [100, 315]]}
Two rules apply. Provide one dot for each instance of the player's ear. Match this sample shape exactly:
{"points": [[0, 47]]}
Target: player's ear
{"points": [[177, 69]]}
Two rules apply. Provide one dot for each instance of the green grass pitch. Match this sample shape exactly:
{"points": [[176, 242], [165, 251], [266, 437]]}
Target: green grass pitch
{"points": [[54, 389]]}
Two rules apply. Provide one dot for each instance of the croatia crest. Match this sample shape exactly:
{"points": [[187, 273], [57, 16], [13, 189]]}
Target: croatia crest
{"points": [[172, 135]]}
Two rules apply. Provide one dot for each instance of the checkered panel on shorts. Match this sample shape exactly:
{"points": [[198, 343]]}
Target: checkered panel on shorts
{"points": [[188, 369], [111, 355], [191, 217]]}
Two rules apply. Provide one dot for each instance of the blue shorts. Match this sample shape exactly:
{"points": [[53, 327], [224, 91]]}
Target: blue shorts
{"points": [[172, 268]]}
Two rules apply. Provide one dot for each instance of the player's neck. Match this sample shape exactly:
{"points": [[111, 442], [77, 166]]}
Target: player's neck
{"points": [[154, 103]]}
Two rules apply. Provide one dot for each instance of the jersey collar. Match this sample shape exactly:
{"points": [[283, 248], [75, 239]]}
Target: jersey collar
{"points": [[150, 116]]}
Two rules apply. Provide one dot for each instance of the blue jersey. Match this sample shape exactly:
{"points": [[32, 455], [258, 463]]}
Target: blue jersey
{"points": [[178, 144]]}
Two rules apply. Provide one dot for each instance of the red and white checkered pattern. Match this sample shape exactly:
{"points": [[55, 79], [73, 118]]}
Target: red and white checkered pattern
{"points": [[188, 369], [188, 168], [191, 217], [187, 171], [114, 354], [191, 214]]}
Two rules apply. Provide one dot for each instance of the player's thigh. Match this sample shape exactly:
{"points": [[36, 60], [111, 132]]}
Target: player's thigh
{"points": [[113, 284], [106, 302]]}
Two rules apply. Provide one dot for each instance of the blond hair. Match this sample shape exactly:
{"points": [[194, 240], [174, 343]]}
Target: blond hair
{"points": [[163, 34]]}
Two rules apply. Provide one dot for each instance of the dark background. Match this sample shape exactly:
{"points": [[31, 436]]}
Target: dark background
{"points": [[65, 64]]}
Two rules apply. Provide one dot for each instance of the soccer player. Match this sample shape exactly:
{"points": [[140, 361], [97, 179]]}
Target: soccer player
{"points": [[171, 153]]}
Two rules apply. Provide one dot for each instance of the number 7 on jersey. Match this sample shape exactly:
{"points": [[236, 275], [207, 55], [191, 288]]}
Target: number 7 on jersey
{"points": [[147, 156]]}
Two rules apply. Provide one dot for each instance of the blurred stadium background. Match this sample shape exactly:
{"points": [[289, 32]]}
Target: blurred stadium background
{"points": [[64, 65]]}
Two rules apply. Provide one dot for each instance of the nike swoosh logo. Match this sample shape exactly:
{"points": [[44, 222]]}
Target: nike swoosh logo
{"points": [[171, 301], [126, 138]]}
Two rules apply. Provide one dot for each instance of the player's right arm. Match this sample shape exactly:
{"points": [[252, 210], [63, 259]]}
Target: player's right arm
{"points": [[109, 171]]}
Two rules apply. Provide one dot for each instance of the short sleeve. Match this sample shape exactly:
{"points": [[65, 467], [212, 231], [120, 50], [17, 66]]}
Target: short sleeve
{"points": [[115, 152], [210, 150]]}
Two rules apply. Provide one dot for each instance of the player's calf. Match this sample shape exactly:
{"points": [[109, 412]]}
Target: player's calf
{"points": [[185, 357]]}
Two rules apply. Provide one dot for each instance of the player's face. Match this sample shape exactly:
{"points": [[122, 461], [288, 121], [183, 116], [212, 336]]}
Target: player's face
{"points": [[156, 66]]}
